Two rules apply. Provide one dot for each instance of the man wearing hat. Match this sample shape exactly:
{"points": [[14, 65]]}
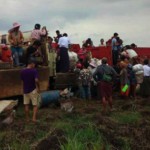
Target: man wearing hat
{"points": [[16, 39]]}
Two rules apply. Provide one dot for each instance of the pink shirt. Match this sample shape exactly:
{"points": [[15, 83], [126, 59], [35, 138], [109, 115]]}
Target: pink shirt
{"points": [[36, 34]]}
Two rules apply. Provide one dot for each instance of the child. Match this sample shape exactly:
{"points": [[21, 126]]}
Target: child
{"points": [[124, 79], [84, 79]]}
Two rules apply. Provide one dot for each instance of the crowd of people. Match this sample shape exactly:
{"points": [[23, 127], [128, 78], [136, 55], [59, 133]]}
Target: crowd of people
{"points": [[95, 77]]}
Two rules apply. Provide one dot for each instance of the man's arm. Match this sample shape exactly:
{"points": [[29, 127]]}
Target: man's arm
{"points": [[95, 74], [37, 84], [115, 74]]}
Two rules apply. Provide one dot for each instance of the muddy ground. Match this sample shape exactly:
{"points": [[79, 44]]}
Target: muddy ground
{"points": [[128, 122]]}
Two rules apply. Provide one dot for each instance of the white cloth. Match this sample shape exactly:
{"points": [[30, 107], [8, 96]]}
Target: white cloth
{"points": [[138, 69], [146, 70], [64, 42], [131, 53], [73, 56]]}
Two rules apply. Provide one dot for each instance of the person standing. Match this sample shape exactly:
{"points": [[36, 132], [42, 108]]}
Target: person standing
{"points": [[58, 36], [29, 76], [84, 82], [115, 52], [124, 80], [104, 75], [64, 44], [102, 42], [16, 38], [145, 86], [41, 35]]}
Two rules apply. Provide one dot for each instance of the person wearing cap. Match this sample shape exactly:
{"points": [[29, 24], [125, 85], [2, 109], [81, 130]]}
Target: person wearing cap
{"points": [[16, 38], [29, 76], [104, 76]]}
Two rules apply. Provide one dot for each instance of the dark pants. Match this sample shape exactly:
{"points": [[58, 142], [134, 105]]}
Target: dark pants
{"points": [[64, 60], [115, 55]]}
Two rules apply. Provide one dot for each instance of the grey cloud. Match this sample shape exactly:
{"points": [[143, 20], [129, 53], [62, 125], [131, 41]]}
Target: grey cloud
{"points": [[81, 18]]}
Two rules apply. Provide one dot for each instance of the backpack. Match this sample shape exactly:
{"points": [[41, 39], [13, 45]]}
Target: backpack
{"points": [[106, 77]]}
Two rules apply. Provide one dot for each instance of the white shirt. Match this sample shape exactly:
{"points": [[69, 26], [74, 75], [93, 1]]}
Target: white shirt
{"points": [[64, 42], [113, 44], [146, 70]]}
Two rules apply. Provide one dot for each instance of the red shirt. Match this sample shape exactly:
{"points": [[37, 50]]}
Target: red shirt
{"points": [[6, 55]]}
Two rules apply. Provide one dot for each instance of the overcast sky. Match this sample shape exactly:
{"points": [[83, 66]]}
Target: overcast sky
{"points": [[82, 19]]}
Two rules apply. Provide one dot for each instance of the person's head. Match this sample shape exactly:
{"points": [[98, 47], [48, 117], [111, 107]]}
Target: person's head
{"points": [[123, 65], [15, 27], [57, 32], [146, 62], [31, 63], [127, 47], [37, 26], [65, 34], [102, 41], [104, 60], [37, 43], [115, 34], [50, 39], [133, 45]]}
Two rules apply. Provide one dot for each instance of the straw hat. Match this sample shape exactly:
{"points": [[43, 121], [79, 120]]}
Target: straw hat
{"points": [[15, 25]]}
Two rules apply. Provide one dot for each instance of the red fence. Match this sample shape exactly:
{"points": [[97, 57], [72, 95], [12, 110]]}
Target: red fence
{"points": [[75, 47], [100, 52], [143, 52]]}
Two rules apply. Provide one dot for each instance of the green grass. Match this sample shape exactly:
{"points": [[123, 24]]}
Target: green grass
{"points": [[84, 129], [127, 118], [86, 137]]}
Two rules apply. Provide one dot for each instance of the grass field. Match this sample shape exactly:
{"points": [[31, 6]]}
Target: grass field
{"points": [[86, 128]]}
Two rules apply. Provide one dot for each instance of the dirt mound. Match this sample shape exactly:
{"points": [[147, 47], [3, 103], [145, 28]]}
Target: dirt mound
{"points": [[51, 142]]}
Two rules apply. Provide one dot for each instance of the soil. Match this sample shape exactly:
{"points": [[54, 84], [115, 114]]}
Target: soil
{"points": [[52, 142], [137, 135]]}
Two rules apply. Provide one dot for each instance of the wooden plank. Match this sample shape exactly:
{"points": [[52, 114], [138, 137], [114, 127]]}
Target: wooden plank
{"points": [[63, 80], [10, 82]]}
